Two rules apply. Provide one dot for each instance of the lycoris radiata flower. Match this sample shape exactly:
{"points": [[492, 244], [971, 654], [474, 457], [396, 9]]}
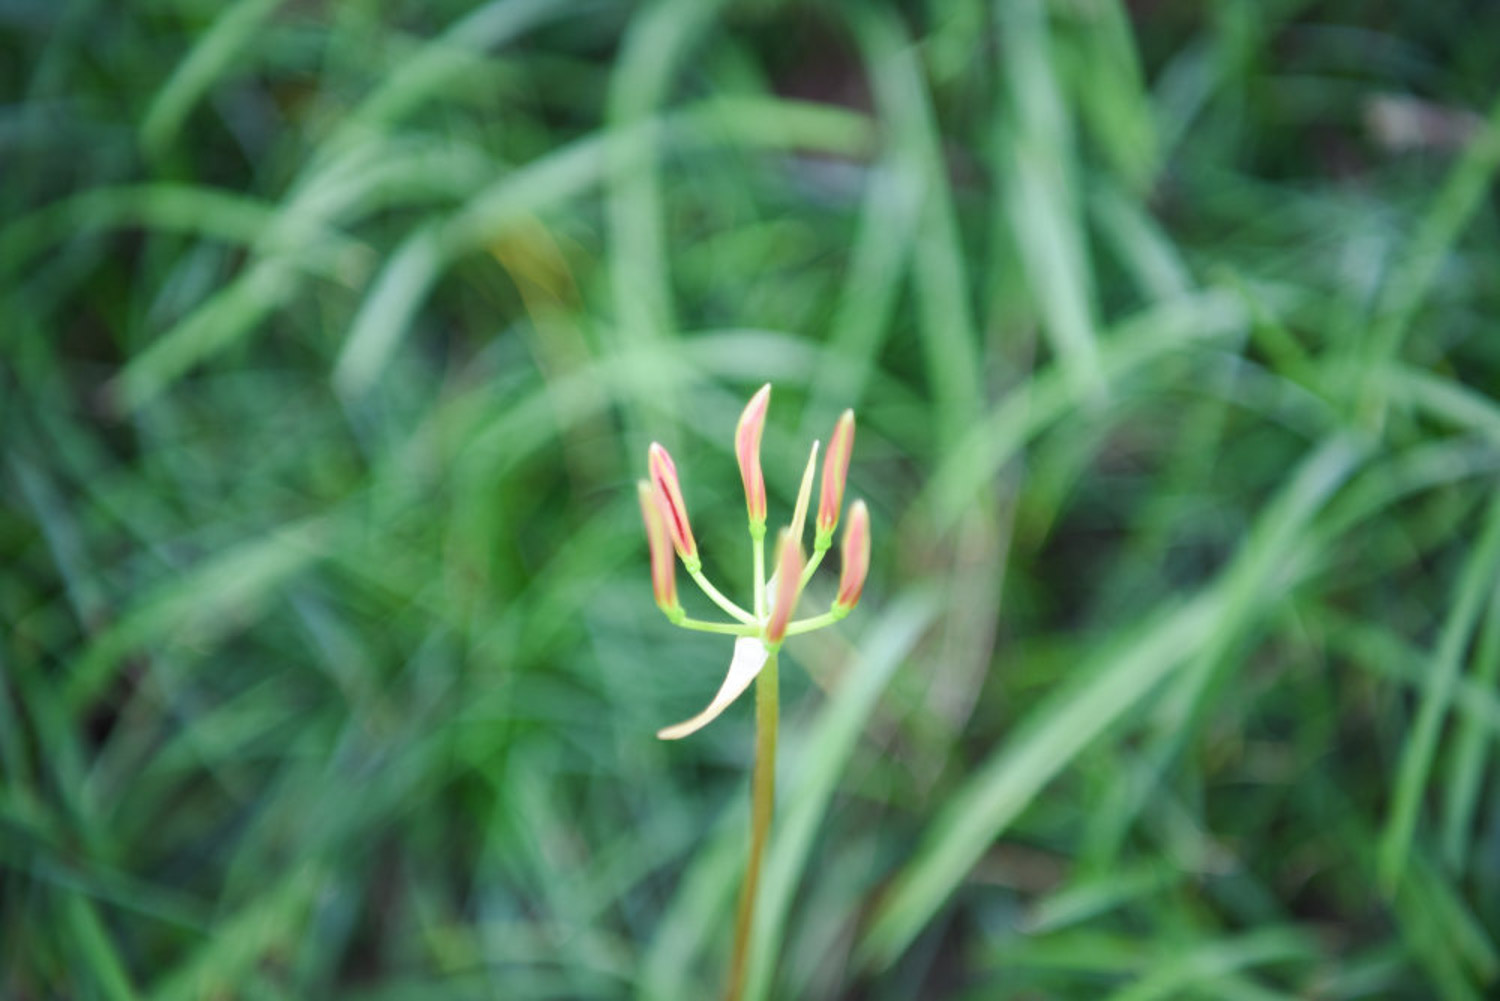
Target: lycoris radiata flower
{"points": [[760, 630]]}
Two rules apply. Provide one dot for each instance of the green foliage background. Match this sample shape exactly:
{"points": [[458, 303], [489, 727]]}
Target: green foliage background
{"points": [[333, 337]]}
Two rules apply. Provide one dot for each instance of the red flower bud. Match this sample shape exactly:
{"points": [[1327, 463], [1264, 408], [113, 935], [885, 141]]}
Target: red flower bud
{"points": [[788, 587], [835, 472], [747, 451], [855, 553], [669, 499], [663, 571]]}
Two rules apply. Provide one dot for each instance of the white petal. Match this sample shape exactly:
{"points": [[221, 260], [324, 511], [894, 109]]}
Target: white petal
{"points": [[750, 655]]}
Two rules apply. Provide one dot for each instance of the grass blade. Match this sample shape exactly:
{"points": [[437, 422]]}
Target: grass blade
{"points": [[1477, 580], [1117, 679]]}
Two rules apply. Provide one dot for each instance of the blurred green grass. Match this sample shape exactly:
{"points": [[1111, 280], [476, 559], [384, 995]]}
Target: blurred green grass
{"points": [[335, 333]]}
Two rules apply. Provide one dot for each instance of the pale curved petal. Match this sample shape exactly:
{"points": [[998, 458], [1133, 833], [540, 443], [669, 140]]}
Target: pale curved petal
{"points": [[750, 655], [799, 514]]}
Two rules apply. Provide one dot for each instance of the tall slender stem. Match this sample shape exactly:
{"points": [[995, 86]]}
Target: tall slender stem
{"points": [[762, 804]]}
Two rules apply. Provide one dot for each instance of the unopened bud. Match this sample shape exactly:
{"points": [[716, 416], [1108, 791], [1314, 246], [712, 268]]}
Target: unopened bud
{"points": [[855, 553], [835, 473], [788, 587], [669, 498], [747, 451], [663, 571]]}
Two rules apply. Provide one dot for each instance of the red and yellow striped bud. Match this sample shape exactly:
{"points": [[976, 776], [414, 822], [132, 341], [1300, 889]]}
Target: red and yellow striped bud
{"points": [[788, 587], [747, 451], [663, 570], [855, 553], [835, 473], [668, 493]]}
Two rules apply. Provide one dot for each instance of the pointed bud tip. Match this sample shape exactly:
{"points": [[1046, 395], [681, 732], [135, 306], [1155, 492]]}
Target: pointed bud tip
{"points": [[747, 452], [665, 485], [855, 553], [835, 473], [663, 572]]}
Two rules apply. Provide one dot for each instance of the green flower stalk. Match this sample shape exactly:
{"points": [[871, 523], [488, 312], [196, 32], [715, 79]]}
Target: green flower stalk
{"points": [[760, 631]]}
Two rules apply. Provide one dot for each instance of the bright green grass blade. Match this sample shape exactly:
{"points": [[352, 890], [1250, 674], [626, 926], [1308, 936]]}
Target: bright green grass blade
{"points": [[228, 315], [1435, 931], [100, 963], [182, 208], [1375, 973], [1085, 900], [1109, 88], [944, 307], [1142, 247], [401, 288], [1199, 966], [388, 310], [212, 598], [862, 319], [1397, 477], [237, 28], [656, 42], [971, 819], [363, 180], [1477, 580], [1438, 927], [59, 520], [1446, 399], [440, 65], [695, 915], [143, 899], [559, 176], [1119, 676], [714, 123], [1044, 201], [1451, 210], [1378, 649], [268, 925], [1472, 741], [1135, 343], [1084, 952], [1279, 544], [1183, 88], [223, 320]]}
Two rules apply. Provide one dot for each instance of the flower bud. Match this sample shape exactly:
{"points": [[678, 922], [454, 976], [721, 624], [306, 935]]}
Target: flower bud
{"points": [[855, 553], [668, 493], [663, 571], [747, 451], [835, 473], [788, 587]]}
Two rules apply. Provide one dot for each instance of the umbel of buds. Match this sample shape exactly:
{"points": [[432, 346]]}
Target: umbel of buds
{"points": [[761, 629]]}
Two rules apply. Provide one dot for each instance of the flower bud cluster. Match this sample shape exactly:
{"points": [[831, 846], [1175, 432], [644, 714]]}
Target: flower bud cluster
{"points": [[669, 532]]}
